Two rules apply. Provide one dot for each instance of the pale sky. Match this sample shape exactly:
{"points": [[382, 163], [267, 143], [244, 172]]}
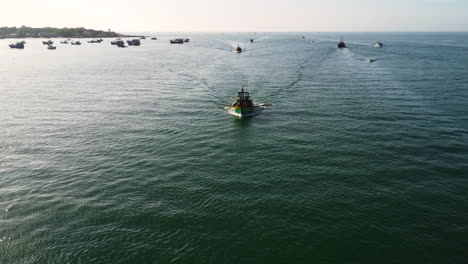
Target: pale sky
{"points": [[239, 15]]}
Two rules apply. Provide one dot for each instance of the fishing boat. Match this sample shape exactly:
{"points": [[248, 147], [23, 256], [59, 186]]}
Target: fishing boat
{"points": [[244, 106], [76, 42], [238, 49], [120, 44], [49, 42], [341, 44], [177, 41], [18, 45], [378, 45], [95, 41], [50, 47], [134, 42]]}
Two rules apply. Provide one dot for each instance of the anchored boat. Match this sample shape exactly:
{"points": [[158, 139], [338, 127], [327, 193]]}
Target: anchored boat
{"points": [[18, 45], [177, 41], [244, 106]]}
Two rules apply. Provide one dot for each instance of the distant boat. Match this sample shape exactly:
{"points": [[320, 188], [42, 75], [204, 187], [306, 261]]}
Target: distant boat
{"points": [[154, 38], [142, 37], [51, 47], [244, 106], [134, 42], [76, 42], [49, 42], [177, 41], [95, 41], [378, 45], [238, 49], [341, 44], [303, 37], [251, 41], [64, 42], [120, 44], [186, 40], [18, 45]]}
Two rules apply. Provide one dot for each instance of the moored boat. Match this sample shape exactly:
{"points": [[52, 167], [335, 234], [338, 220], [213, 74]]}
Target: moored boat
{"points": [[17, 45], [154, 38], [76, 42], [49, 42], [134, 42], [177, 41], [120, 44], [244, 106], [95, 41], [341, 44], [50, 47]]}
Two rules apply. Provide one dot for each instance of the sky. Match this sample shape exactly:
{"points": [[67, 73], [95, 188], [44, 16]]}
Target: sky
{"points": [[239, 15]]}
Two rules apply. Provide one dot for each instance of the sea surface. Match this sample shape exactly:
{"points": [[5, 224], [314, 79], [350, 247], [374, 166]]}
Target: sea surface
{"points": [[111, 155]]}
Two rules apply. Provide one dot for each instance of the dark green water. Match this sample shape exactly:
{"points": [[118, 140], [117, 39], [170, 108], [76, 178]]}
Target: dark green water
{"points": [[114, 155]]}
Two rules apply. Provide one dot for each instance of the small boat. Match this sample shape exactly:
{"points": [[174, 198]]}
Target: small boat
{"points": [[378, 45], [371, 60], [303, 37], [49, 42], [142, 37], [186, 40], [177, 41], [120, 44], [134, 42], [51, 47], [18, 45], [341, 44], [64, 42], [95, 41], [251, 41], [76, 42], [238, 49], [154, 38], [244, 106]]}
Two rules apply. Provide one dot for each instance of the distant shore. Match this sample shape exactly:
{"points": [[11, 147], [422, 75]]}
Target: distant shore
{"points": [[48, 32]]}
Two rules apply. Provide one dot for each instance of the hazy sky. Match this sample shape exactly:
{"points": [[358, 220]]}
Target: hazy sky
{"points": [[239, 15]]}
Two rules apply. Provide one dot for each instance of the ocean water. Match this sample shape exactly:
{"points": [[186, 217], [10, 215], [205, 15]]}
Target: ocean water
{"points": [[112, 155]]}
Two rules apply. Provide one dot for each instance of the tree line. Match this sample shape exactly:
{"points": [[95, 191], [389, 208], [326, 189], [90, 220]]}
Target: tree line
{"points": [[49, 32]]}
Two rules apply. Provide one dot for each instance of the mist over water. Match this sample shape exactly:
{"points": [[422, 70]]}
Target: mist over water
{"points": [[112, 155]]}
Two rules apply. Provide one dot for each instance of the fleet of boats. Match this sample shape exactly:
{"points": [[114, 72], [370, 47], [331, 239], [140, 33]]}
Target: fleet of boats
{"points": [[244, 106]]}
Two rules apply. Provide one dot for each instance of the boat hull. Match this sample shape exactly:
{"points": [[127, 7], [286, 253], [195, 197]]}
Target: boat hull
{"points": [[244, 111]]}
